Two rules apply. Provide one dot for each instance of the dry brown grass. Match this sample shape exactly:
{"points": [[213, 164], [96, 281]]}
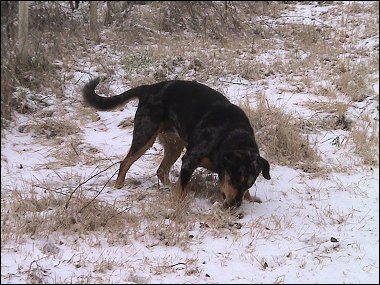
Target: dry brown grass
{"points": [[153, 216], [366, 139], [279, 136], [6, 91], [332, 115], [353, 12], [164, 220], [51, 37], [51, 128], [72, 151], [36, 215], [176, 56], [351, 80], [220, 43], [327, 91]]}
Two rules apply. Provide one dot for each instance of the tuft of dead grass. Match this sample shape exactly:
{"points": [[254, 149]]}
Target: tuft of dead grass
{"points": [[36, 215], [153, 216], [51, 128], [335, 118], [366, 140], [279, 136], [350, 79], [167, 221]]}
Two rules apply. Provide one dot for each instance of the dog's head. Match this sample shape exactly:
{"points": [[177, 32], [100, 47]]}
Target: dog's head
{"points": [[240, 169]]}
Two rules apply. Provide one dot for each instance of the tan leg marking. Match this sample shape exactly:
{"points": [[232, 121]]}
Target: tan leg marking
{"points": [[130, 159], [247, 196]]}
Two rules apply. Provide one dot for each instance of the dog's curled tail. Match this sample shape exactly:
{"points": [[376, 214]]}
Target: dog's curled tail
{"points": [[108, 103]]}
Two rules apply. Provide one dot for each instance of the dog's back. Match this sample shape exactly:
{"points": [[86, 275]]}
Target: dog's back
{"points": [[187, 102]]}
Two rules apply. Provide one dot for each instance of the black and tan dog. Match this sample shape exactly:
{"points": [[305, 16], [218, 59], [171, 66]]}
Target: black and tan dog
{"points": [[216, 133]]}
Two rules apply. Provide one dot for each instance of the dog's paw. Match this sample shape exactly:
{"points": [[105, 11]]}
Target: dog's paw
{"points": [[253, 199], [118, 185], [256, 199]]}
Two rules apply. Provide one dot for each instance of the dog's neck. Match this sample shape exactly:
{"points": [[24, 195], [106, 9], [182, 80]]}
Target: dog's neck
{"points": [[239, 139]]}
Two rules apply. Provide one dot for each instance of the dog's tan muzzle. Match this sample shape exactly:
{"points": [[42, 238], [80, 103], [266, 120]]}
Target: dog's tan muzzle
{"points": [[230, 193]]}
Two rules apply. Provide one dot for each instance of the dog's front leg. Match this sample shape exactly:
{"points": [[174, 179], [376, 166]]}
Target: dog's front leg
{"points": [[190, 161], [183, 180]]}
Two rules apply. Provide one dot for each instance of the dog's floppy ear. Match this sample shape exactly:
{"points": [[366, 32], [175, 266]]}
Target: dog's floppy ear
{"points": [[264, 168]]}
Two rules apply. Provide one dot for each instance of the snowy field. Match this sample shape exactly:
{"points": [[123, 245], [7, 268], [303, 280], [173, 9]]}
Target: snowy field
{"points": [[310, 228]]}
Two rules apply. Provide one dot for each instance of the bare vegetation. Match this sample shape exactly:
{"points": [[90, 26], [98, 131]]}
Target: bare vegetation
{"points": [[282, 143], [153, 216], [41, 215], [366, 140], [139, 42], [351, 81]]}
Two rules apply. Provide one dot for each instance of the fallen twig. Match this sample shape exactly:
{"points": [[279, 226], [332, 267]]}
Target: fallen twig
{"points": [[85, 206], [72, 193]]}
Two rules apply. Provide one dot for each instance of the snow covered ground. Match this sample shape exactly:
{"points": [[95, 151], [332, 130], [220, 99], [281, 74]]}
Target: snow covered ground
{"points": [[309, 229]]}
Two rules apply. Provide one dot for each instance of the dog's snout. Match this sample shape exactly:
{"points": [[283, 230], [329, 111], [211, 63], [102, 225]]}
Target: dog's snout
{"points": [[232, 196]]}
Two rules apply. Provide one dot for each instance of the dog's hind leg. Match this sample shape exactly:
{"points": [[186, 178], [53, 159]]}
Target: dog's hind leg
{"points": [[145, 132], [173, 146]]}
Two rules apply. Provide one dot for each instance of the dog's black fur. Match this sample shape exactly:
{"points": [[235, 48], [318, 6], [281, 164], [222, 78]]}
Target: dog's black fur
{"points": [[216, 133]]}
